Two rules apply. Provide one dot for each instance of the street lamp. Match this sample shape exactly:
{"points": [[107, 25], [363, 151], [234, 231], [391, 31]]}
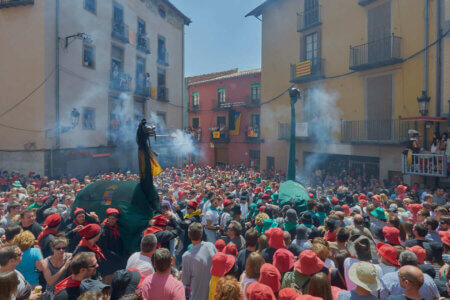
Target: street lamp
{"points": [[75, 117], [424, 101], [294, 94]]}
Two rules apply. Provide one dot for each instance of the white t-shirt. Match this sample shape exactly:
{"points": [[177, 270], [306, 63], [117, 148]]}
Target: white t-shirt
{"points": [[141, 262], [213, 216]]}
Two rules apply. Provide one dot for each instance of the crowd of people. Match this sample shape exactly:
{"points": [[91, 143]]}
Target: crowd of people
{"points": [[227, 234]]}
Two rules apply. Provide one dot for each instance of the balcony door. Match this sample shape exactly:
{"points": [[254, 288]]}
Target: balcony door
{"points": [[379, 107], [378, 32], [140, 74], [311, 12]]}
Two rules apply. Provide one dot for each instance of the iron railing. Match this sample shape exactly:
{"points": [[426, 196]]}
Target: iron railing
{"points": [[163, 94], [222, 136], [13, 3], [317, 71], [120, 81], [425, 164], [309, 18], [376, 131], [120, 31], [252, 134], [141, 86], [386, 51], [143, 43]]}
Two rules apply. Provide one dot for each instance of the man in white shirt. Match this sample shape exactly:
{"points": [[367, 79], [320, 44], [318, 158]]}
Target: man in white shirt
{"points": [[143, 260], [212, 221]]}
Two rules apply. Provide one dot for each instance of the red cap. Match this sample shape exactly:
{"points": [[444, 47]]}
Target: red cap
{"points": [[90, 230], [227, 202], [220, 244], [310, 195], [73, 179], [78, 210], [419, 252], [377, 198], [231, 249], [392, 235], [160, 220], [288, 294], [308, 263], [276, 238], [44, 198], [112, 211], [221, 264], [270, 276], [334, 200], [52, 220], [259, 291], [414, 208], [283, 260], [362, 197], [265, 197], [401, 188], [388, 252], [445, 237], [346, 209], [363, 202], [193, 205]]}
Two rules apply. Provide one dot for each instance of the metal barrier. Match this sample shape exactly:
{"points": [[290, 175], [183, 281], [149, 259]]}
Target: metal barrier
{"points": [[425, 165]]}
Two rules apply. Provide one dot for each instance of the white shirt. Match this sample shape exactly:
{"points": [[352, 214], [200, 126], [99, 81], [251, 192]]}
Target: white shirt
{"points": [[213, 216], [142, 263]]}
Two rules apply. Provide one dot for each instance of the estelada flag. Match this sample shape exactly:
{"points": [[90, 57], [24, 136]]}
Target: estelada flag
{"points": [[156, 168], [303, 68]]}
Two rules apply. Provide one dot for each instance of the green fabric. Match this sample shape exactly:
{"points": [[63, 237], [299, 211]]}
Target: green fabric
{"points": [[293, 190], [274, 196], [268, 188], [128, 197], [34, 205], [310, 226], [322, 216], [379, 213], [296, 281], [258, 180], [287, 226], [17, 183], [267, 224]]}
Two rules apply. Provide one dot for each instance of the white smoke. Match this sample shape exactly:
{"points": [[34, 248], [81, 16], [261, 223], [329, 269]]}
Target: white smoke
{"points": [[323, 127]]}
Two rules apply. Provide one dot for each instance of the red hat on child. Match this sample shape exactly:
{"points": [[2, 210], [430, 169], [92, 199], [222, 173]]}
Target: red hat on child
{"points": [[160, 220], [227, 202], [78, 210], [276, 238], [270, 276], [193, 205], [221, 264], [230, 249], [259, 291], [283, 260], [220, 244]]}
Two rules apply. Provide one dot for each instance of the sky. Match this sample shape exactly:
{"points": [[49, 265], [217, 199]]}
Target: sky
{"points": [[220, 37]]}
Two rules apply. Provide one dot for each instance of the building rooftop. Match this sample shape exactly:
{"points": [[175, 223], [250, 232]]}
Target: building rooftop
{"points": [[203, 77], [187, 21], [223, 76], [259, 9]]}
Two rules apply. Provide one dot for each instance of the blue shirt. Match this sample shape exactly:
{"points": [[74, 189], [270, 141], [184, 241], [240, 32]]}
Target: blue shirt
{"points": [[28, 265], [390, 285], [433, 236]]}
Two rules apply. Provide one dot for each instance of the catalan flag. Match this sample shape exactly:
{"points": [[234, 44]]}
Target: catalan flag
{"points": [[303, 68]]}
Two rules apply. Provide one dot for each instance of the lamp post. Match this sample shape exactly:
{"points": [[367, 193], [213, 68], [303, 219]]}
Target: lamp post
{"points": [[294, 94], [424, 102]]}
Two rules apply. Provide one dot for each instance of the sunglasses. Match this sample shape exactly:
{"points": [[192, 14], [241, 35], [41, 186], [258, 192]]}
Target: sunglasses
{"points": [[60, 248], [93, 266]]}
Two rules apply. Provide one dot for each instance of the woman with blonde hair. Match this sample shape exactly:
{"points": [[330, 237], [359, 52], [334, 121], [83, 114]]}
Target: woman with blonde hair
{"points": [[252, 269], [9, 283], [32, 260], [228, 288]]}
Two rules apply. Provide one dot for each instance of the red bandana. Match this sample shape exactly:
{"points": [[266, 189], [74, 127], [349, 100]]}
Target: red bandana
{"points": [[153, 229], [66, 283], [94, 248], [44, 233], [114, 229]]}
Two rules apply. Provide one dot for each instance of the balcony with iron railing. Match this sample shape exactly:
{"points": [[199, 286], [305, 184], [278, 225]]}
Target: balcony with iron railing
{"points": [[376, 131], [383, 52], [304, 71], [141, 86], [309, 18], [120, 31], [14, 3], [120, 81], [194, 107], [220, 136], [314, 131], [163, 94], [143, 43], [425, 164]]}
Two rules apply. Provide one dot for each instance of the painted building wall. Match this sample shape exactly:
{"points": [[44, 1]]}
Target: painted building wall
{"points": [[237, 90], [344, 24]]}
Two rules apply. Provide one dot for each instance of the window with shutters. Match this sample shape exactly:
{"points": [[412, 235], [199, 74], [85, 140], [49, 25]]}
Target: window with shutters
{"points": [[221, 96], [255, 92], [379, 32], [379, 107], [195, 99], [311, 48]]}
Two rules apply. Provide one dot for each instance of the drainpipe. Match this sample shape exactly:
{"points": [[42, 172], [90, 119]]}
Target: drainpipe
{"points": [[57, 121], [427, 27], [438, 60]]}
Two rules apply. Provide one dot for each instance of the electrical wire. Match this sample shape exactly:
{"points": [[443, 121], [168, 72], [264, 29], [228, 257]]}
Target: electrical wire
{"points": [[29, 95]]}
